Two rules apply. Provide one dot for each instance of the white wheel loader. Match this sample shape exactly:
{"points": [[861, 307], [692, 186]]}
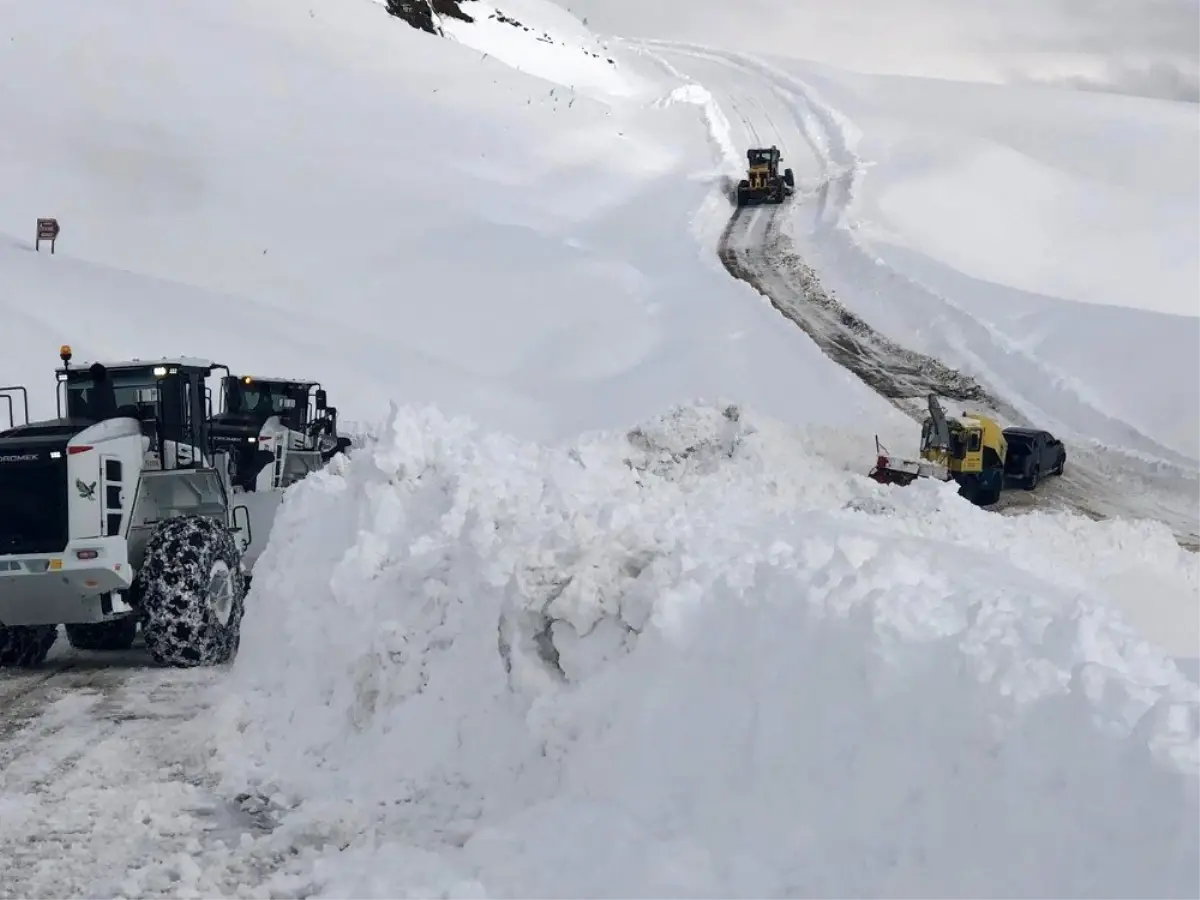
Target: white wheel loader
{"points": [[276, 431], [118, 512]]}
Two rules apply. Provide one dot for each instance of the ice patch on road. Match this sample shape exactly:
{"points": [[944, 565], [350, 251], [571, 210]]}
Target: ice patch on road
{"points": [[698, 658]]}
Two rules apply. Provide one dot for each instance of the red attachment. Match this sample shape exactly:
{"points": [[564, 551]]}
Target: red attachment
{"points": [[80, 449]]}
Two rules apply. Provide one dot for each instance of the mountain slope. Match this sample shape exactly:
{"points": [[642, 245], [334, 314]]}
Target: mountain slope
{"points": [[694, 652], [386, 211]]}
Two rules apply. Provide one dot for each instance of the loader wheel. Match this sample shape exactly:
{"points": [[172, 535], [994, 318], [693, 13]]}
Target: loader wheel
{"points": [[26, 646], [789, 178], [193, 593], [115, 635]]}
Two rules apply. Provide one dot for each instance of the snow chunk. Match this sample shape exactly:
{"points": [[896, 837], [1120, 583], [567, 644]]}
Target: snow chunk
{"points": [[719, 131]]}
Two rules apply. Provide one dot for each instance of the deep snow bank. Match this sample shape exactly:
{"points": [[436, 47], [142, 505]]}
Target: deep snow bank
{"points": [[698, 659]]}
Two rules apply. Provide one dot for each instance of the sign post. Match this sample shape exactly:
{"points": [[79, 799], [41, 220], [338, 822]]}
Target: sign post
{"points": [[47, 230]]}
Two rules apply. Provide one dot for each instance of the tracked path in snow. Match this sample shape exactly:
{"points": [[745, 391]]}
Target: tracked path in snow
{"points": [[104, 793], [756, 247]]}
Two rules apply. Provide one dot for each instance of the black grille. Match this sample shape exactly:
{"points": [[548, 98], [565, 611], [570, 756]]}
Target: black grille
{"points": [[33, 501]]}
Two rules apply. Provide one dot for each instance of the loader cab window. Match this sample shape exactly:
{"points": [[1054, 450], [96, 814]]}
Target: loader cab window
{"points": [[974, 442], [263, 399], [167, 402], [117, 393], [958, 444]]}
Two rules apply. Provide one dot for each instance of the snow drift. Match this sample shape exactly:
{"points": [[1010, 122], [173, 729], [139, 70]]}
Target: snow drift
{"points": [[698, 659]]}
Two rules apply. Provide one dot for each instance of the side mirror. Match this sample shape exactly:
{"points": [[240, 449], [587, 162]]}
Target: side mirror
{"points": [[320, 399], [244, 535]]}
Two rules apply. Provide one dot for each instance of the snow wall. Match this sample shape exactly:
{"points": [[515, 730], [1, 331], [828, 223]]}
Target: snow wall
{"points": [[700, 659]]}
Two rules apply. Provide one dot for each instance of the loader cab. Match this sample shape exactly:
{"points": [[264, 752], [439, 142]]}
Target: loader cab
{"points": [[762, 157], [976, 444], [168, 398], [964, 448], [247, 404], [764, 162], [261, 398]]}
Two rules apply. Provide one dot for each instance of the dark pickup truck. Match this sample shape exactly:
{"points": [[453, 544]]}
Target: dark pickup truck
{"points": [[1032, 453]]}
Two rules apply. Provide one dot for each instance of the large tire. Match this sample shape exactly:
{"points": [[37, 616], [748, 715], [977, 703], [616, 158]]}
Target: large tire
{"points": [[1035, 477], [193, 593], [115, 635], [789, 178], [25, 646]]}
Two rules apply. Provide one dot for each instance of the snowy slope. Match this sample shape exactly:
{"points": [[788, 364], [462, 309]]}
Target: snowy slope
{"points": [[1063, 222], [1007, 233], [334, 195], [1147, 50]]}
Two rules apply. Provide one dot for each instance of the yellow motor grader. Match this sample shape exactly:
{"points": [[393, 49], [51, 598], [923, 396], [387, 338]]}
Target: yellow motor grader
{"points": [[763, 183], [970, 449]]}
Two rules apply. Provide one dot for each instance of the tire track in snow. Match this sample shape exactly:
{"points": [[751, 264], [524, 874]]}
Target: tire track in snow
{"points": [[763, 258], [105, 793], [755, 248], [980, 345]]}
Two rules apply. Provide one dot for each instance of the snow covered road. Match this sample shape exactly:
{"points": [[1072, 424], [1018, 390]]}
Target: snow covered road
{"points": [[755, 249], [99, 795], [557, 627], [759, 105], [106, 787]]}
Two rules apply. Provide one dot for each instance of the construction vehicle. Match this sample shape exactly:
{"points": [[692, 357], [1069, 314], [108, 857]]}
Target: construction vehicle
{"points": [[763, 183], [970, 450], [118, 513], [276, 431]]}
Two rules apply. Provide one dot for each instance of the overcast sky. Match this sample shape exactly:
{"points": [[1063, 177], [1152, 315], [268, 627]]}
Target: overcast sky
{"points": [[1139, 46]]}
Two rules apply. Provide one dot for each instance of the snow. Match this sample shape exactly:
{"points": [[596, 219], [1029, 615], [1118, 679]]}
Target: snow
{"points": [[485, 248], [1112, 47], [541, 39], [667, 664], [1009, 233], [1058, 221], [520, 644]]}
